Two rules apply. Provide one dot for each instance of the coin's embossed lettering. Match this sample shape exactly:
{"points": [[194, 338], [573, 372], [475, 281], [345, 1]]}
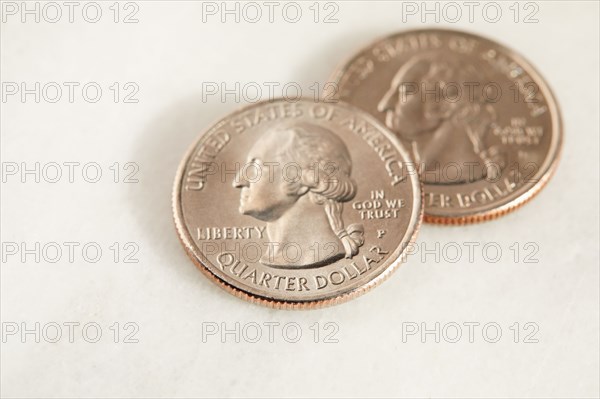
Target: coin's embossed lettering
{"points": [[393, 48], [534, 100], [228, 262], [201, 165], [381, 208], [230, 233], [476, 197], [392, 165], [352, 270], [519, 133], [254, 118]]}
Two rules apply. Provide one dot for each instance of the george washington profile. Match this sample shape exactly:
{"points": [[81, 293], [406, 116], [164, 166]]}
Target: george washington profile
{"points": [[429, 105], [301, 180]]}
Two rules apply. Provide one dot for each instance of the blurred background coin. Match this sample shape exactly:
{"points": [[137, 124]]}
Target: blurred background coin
{"points": [[482, 126]]}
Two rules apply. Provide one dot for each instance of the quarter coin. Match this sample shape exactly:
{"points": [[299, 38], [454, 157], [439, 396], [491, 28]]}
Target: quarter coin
{"points": [[482, 126], [297, 204]]}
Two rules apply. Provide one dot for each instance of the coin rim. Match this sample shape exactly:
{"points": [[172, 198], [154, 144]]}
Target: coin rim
{"points": [[551, 161], [187, 242]]}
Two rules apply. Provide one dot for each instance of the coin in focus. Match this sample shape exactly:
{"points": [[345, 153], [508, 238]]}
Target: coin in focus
{"points": [[482, 126], [297, 204]]}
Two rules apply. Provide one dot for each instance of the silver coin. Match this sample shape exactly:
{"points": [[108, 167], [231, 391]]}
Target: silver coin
{"points": [[297, 205]]}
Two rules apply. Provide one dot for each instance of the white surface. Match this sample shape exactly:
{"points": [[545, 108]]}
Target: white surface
{"points": [[169, 53]]}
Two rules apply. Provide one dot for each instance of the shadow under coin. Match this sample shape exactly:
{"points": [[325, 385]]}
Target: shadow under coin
{"points": [[159, 152]]}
